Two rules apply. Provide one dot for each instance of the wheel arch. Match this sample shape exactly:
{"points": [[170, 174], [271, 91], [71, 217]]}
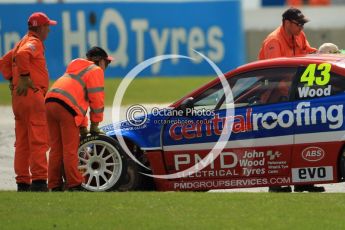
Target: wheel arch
{"points": [[341, 163]]}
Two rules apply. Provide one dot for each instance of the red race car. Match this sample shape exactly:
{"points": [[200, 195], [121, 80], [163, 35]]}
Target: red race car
{"points": [[283, 125]]}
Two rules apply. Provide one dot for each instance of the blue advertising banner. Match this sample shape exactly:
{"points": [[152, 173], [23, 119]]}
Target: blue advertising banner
{"points": [[133, 32]]}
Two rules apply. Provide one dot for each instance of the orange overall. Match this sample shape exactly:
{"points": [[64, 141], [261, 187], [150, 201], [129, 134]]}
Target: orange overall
{"points": [[82, 86], [310, 2], [27, 58], [279, 44]]}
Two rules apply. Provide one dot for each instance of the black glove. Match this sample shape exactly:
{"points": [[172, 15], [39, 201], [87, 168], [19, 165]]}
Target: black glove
{"points": [[10, 86], [24, 84], [83, 132], [94, 130]]}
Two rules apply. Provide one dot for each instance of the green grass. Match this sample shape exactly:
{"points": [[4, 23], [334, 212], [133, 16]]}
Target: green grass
{"points": [[171, 210], [5, 94], [140, 91]]}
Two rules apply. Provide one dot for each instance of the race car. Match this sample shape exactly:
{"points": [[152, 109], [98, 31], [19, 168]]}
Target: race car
{"points": [[281, 123]]}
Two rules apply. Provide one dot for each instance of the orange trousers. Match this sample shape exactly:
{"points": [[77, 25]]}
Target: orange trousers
{"points": [[64, 142], [31, 146]]}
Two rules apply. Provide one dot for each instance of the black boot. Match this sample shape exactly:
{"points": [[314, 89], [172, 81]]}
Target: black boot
{"points": [[57, 189], [308, 188], [280, 189], [39, 186], [23, 187], [77, 188]]}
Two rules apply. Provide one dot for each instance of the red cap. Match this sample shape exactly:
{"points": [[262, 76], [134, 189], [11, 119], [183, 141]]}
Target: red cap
{"points": [[40, 19]]}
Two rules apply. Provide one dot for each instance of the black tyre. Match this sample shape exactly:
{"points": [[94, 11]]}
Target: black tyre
{"points": [[102, 163], [342, 165], [135, 180]]}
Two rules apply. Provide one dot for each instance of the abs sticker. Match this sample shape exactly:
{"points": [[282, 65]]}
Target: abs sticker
{"points": [[323, 173], [315, 85], [313, 154]]}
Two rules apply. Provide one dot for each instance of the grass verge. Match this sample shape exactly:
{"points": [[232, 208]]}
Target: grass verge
{"points": [[171, 210], [140, 91]]}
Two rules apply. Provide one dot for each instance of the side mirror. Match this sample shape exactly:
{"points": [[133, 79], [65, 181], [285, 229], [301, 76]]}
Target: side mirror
{"points": [[186, 104]]}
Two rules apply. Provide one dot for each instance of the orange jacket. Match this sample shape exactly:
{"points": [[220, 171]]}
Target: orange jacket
{"points": [[310, 2], [279, 44], [6, 65], [27, 57], [81, 86]]}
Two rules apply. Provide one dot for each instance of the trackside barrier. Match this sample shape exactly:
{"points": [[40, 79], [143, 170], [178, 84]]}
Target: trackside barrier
{"points": [[135, 31]]}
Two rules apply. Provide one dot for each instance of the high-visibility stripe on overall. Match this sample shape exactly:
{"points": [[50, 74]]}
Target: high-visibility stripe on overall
{"points": [[79, 91]]}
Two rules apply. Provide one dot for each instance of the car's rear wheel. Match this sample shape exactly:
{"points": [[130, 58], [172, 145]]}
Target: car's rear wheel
{"points": [[342, 165], [102, 163]]}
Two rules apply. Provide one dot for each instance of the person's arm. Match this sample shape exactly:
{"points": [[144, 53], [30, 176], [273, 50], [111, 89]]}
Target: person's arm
{"points": [[95, 90], [309, 49], [272, 49], [24, 55], [23, 58], [6, 65]]}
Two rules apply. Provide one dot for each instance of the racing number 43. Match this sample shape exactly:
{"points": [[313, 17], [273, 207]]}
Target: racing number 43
{"points": [[309, 74]]}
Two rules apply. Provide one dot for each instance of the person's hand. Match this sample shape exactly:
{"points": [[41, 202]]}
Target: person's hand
{"points": [[24, 84], [94, 130], [10, 86], [83, 132]]}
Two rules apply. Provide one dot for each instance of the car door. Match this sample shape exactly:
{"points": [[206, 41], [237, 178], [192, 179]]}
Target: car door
{"points": [[319, 128], [261, 138]]}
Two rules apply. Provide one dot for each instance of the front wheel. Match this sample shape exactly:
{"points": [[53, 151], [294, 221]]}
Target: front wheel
{"points": [[102, 163]]}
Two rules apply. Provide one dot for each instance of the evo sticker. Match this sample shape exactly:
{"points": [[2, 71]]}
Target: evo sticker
{"points": [[312, 174]]}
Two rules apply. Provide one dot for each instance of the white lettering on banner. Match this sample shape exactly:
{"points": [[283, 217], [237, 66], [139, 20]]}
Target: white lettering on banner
{"points": [[74, 38], [93, 38], [208, 42], [140, 26], [160, 45], [214, 38], [113, 17], [178, 35], [78, 37], [197, 42], [10, 39], [323, 173]]}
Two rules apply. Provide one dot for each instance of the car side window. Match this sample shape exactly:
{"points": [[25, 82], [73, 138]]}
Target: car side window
{"points": [[209, 98], [317, 81], [262, 86]]}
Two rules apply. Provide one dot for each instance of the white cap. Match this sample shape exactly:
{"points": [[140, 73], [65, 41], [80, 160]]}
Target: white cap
{"points": [[328, 48]]}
